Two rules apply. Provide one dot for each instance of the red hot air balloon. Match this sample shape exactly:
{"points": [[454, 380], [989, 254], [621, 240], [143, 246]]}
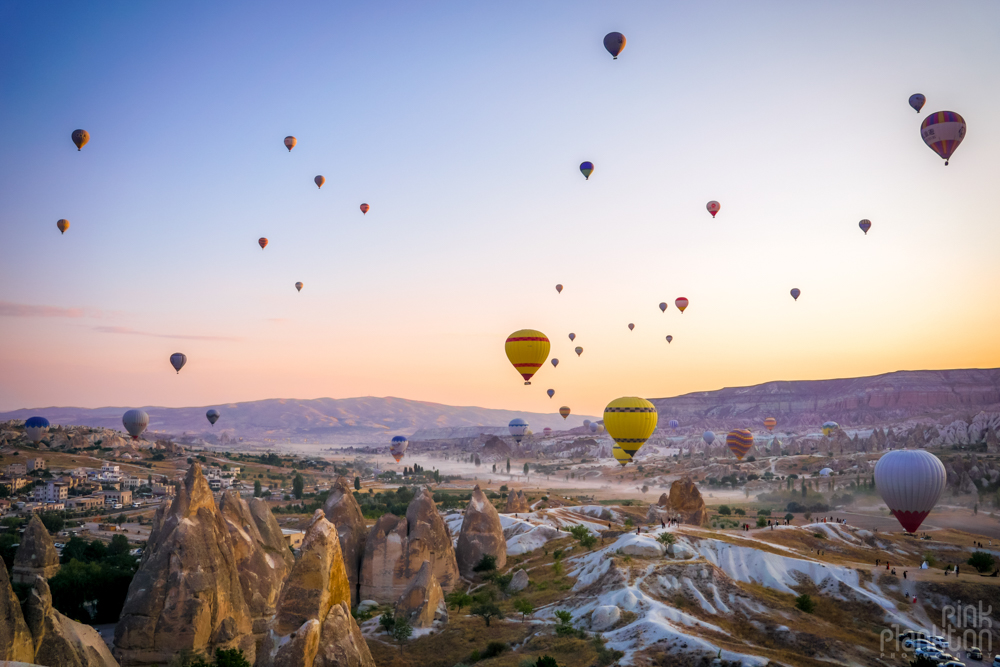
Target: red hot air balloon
{"points": [[290, 142], [943, 131], [365, 208], [910, 482], [713, 207], [262, 242], [681, 303], [614, 42]]}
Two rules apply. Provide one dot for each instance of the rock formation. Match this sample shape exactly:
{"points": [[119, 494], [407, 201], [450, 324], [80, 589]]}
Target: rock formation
{"points": [[187, 594], [343, 511], [519, 581], [685, 502], [423, 601], [313, 626], [429, 539], [481, 534], [37, 555], [270, 531], [517, 503], [15, 639], [59, 641], [383, 568]]}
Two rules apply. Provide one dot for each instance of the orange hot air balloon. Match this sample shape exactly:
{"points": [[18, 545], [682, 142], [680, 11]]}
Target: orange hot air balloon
{"points": [[365, 208], [770, 423], [63, 225], [681, 304], [290, 142], [527, 350], [262, 242], [319, 181], [564, 411], [80, 138]]}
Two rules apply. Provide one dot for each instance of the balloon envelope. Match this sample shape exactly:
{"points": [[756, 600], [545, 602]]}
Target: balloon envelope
{"points": [[398, 447], [546, 431], [319, 181], [564, 411], [290, 142], [795, 293], [631, 326], [917, 101], [177, 360], [572, 337], [578, 351], [35, 428], [681, 303], [865, 225], [713, 207], [630, 420], [587, 423], [63, 225], [593, 427], [262, 242], [614, 42], [829, 428], [213, 416], [708, 437], [670, 339], [559, 288], [135, 422], [673, 423], [518, 429], [910, 482], [527, 350], [550, 392], [943, 131], [825, 472], [739, 442], [80, 138], [663, 306], [770, 423], [555, 362], [587, 168], [620, 455], [365, 208], [298, 287]]}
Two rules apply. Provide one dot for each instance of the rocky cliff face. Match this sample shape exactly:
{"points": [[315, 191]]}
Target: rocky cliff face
{"points": [[36, 556], [481, 534], [313, 626], [422, 603], [516, 503], [430, 540], [15, 639], [187, 594], [686, 503], [383, 567], [343, 511], [59, 641]]}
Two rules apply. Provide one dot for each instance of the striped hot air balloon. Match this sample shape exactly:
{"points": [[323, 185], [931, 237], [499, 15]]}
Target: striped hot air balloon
{"points": [[770, 423], [681, 303], [398, 447], [739, 442], [518, 429], [262, 242], [546, 431], [943, 131], [630, 420], [579, 351], [674, 424], [564, 411], [527, 350], [910, 482]]}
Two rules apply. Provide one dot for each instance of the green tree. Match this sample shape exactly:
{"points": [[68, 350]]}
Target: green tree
{"points": [[119, 545], [357, 483], [524, 607], [982, 561], [789, 516], [401, 631], [5, 490], [232, 657], [508, 465], [458, 599], [53, 521], [257, 488], [487, 611], [298, 485], [805, 603], [526, 468], [761, 522], [546, 661], [667, 538], [388, 622], [488, 563], [724, 510]]}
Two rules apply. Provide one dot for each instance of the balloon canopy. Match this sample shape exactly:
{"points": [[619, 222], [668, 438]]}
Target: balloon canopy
{"points": [[708, 437], [80, 138], [62, 225], [681, 303], [564, 411], [910, 482], [770, 423], [36, 428], [713, 207], [865, 225], [527, 350], [917, 101], [212, 416], [398, 446], [739, 442], [559, 288], [587, 168], [135, 422], [290, 142], [518, 429], [630, 420], [177, 360], [795, 293], [943, 131], [614, 42]]}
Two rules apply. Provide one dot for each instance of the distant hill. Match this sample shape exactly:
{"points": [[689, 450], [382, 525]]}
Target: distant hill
{"points": [[282, 417], [929, 396]]}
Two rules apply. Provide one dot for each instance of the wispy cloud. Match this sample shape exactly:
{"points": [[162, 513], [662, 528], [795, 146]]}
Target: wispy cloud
{"points": [[8, 309], [133, 332]]}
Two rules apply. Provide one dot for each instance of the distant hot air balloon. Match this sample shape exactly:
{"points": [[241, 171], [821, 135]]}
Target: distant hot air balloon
{"points": [[739, 442], [262, 242], [546, 431], [213, 416], [865, 225], [910, 482], [943, 131], [586, 423], [620, 455], [578, 350], [663, 306], [365, 208], [708, 437], [135, 422], [177, 360], [572, 337], [829, 428], [80, 138], [770, 423], [518, 429], [559, 288], [587, 168], [670, 339], [527, 350], [564, 411], [35, 428], [681, 304], [674, 424], [63, 225], [398, 446], [630, 421], [593, 427], [555, 362], [795, 293], [631, 326], [319, 181], [290, 142], [298, 287], [713, 207], [917, 101], [550, 392], [614, 42]]}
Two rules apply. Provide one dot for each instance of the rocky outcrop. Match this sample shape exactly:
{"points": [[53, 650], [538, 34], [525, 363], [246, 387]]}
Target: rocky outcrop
{"points": [[685, 502], [59, 641], [270, 531], [430, 540], [519, 581], [383, 568], [517, 503], [313, 626], [187, 595], [37, 555], [343, 511], [15, 639], [423, 601], [261, 570], [604, 618], [481, 534]]}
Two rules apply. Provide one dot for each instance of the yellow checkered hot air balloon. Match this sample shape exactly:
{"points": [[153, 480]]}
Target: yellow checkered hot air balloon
{"points": [[620, 455], [630, 421], [527, 350]]}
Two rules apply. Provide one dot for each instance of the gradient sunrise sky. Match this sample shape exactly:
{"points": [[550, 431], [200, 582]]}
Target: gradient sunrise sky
{"points": [[463, 126]]}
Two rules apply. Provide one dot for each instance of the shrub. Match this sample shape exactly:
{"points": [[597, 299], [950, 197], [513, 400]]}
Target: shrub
{"points": [[805, 603], [982, 561], [667, 538], [761, 522], [789, 517], [740, 511], [763, 512], [494, 649], [487, 563], [605, 656], [487, 611], [546, 661], [524, 607], [724, 510]]}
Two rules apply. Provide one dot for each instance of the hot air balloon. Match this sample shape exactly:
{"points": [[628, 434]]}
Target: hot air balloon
{"points": [[673, 423], [555, 362], [614, 42], [586, 423], [135, 422], [550, 392], [593, 427], [398, 447], [527, 350], [319, 181], [917, 101], [943, 131], [177, 360], [572, 337], [290, 142], [80, 138], [620, 455], [663, 306], [713, 207], [365, 208], [213, 416], [587, 168], [546, 431], [262, 242], [708, 437], [795, 293], [631, 326], [910, 482], [579, 351], [739, 442], [36, 428], [770, 423], [630, 421], [559, 288], [829, 428], [865, 225], [298, 287], [518, 429], [670, 339], [63, 225], [564, 411], [681, 303]]}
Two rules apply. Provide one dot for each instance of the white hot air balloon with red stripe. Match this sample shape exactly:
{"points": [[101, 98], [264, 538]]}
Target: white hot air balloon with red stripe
{"points": [[910, 482]]}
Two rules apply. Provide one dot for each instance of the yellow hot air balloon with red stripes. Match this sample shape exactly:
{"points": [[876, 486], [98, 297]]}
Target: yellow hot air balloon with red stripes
{"points": [[527, 350], [630, 421]]}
